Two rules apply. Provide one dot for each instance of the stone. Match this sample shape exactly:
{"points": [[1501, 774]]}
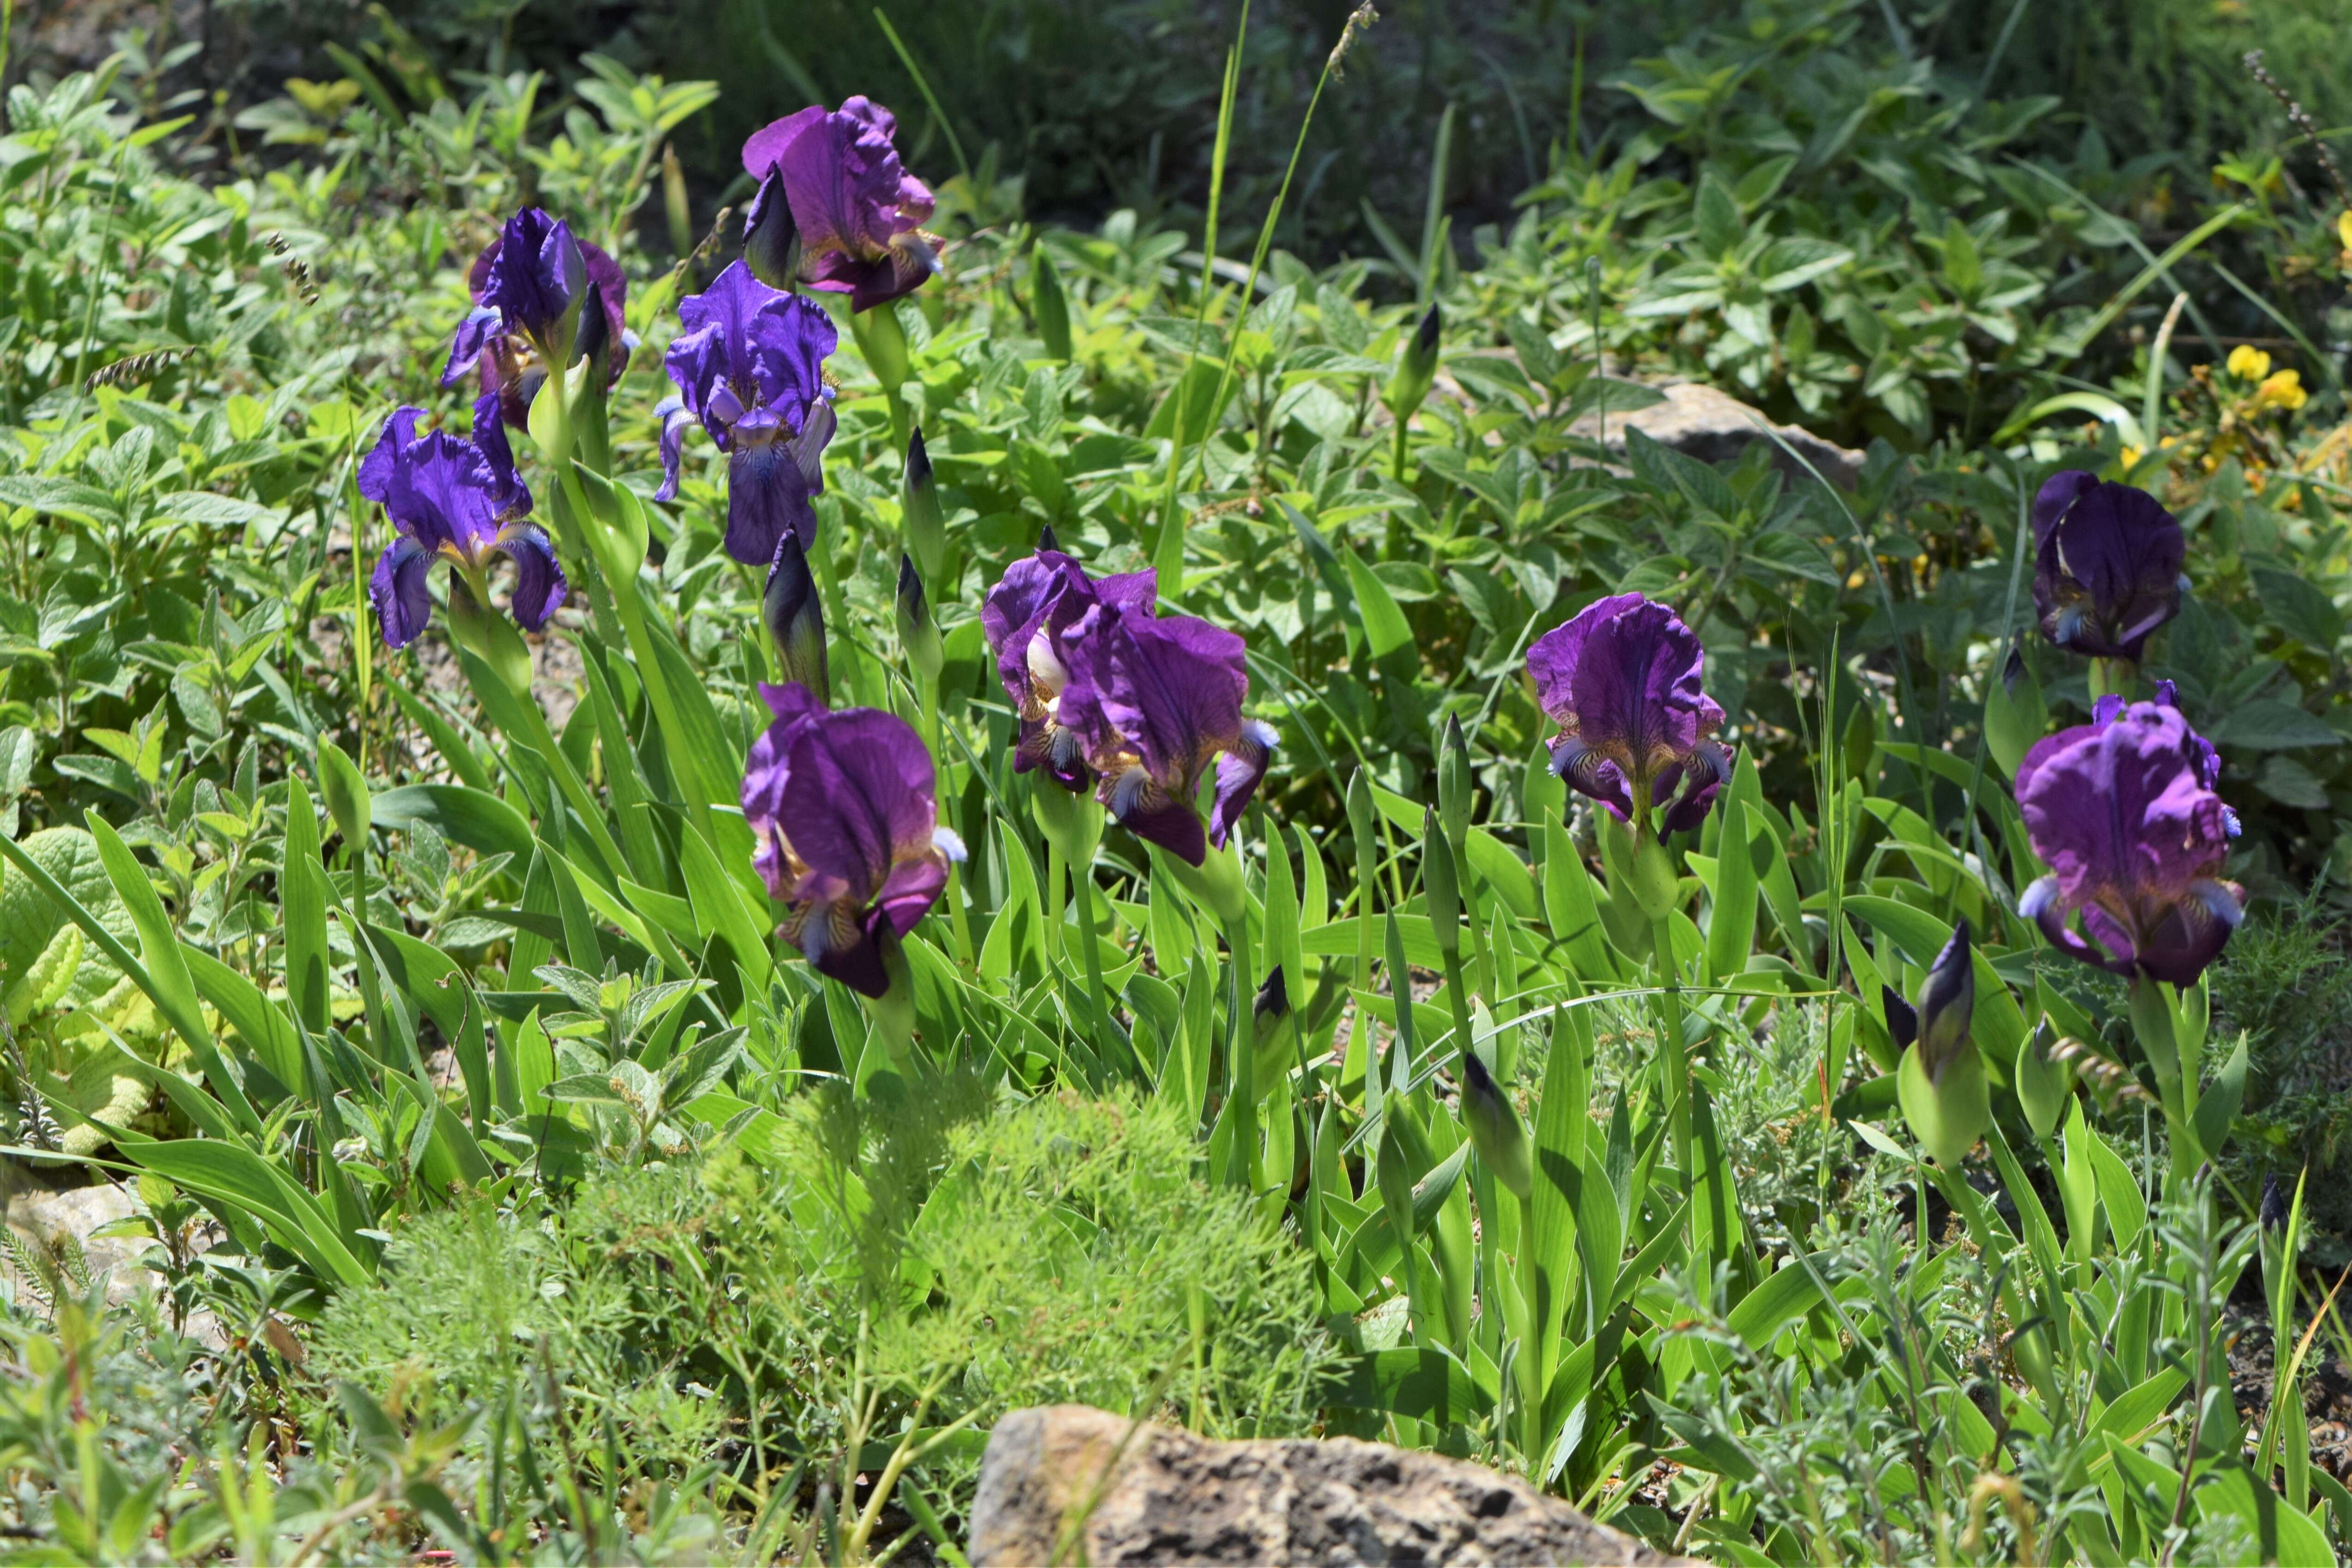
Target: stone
{"points": [[1716, 428], [43, 1216], [1070, 1484]]}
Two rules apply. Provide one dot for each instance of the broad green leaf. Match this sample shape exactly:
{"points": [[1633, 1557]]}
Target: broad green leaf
{"points": [[1385, 627]]}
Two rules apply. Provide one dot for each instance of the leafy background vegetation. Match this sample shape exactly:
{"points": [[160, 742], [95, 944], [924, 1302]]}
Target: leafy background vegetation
{"points": [[769, 1300]]}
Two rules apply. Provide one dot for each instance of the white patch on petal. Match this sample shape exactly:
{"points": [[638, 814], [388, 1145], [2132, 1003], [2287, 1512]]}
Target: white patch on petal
{"points": [[2219, 901], [1046, 665], [1128, 791], [1259, 732], [2038, 897], [945, 840]]}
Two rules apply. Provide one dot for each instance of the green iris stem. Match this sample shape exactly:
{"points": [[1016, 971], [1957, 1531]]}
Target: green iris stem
{"points": [[683, 766], [927, 693], [467, 626], [1676, 1055], [1082, 889], [2156, 1024], [1457, 995], [1054, 946], [961, 922], [570, 528], [1241, 1057]]}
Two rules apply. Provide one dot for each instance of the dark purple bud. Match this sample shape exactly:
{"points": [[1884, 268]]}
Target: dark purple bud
{"points": [[1273, 1003], [1495, 1131], [1902, 1019], [925, 525], [772, 240], [1947, 1003], [1416, 367], [918, 634], [795, 616]]}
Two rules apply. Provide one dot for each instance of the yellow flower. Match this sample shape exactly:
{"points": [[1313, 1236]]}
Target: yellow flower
{"points": [[2249, 364], [2343, 227], [2283, 390], [2130, 455]]}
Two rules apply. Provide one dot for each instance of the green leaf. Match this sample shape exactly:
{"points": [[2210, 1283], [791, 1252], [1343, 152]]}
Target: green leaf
{"points": [[1571, 909], [720, 907], [1385, 627], [165, 974], [2268, 725], [302, 893], [234, 1174], [1731, 928], [1717, 213], [1427, 1383], [2217, 1102], [461, 814]]}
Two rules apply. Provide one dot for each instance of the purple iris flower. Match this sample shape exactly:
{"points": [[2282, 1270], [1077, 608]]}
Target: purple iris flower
{"points": [[856, 208], [749, 365], [1035, 605], [1164, 702], [845, 805], [1622, 680], [2106, 565], [456, 500], [2123, 810], [529, 286]]}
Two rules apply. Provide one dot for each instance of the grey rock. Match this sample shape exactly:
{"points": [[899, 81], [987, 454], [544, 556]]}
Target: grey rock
{"points": [[45, 1218], [1715, 427], [1064, 1483]]}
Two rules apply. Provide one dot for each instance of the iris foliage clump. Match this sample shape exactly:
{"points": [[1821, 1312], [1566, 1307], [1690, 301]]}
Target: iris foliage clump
{"points": [[678, 880]]}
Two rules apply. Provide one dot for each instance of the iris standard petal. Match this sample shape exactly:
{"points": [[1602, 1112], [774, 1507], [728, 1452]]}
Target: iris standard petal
{"points": [[1636, 689], [481, 327], [507, 492], [674, 423], [2057, 495], [379, 469], [1553, 658]]}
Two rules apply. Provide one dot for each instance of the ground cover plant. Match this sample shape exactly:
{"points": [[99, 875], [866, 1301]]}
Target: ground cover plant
{"points": [[678, 875]]}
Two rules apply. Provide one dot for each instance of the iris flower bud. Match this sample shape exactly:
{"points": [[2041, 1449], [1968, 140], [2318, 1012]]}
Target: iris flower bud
{"points": [[1941, 1083], [1495, 1131], [796, 617], [1416, 367], [1271, 1026], [772, 240], [1441, 882], [918, 634], [1453, 785], [924, 528]]}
